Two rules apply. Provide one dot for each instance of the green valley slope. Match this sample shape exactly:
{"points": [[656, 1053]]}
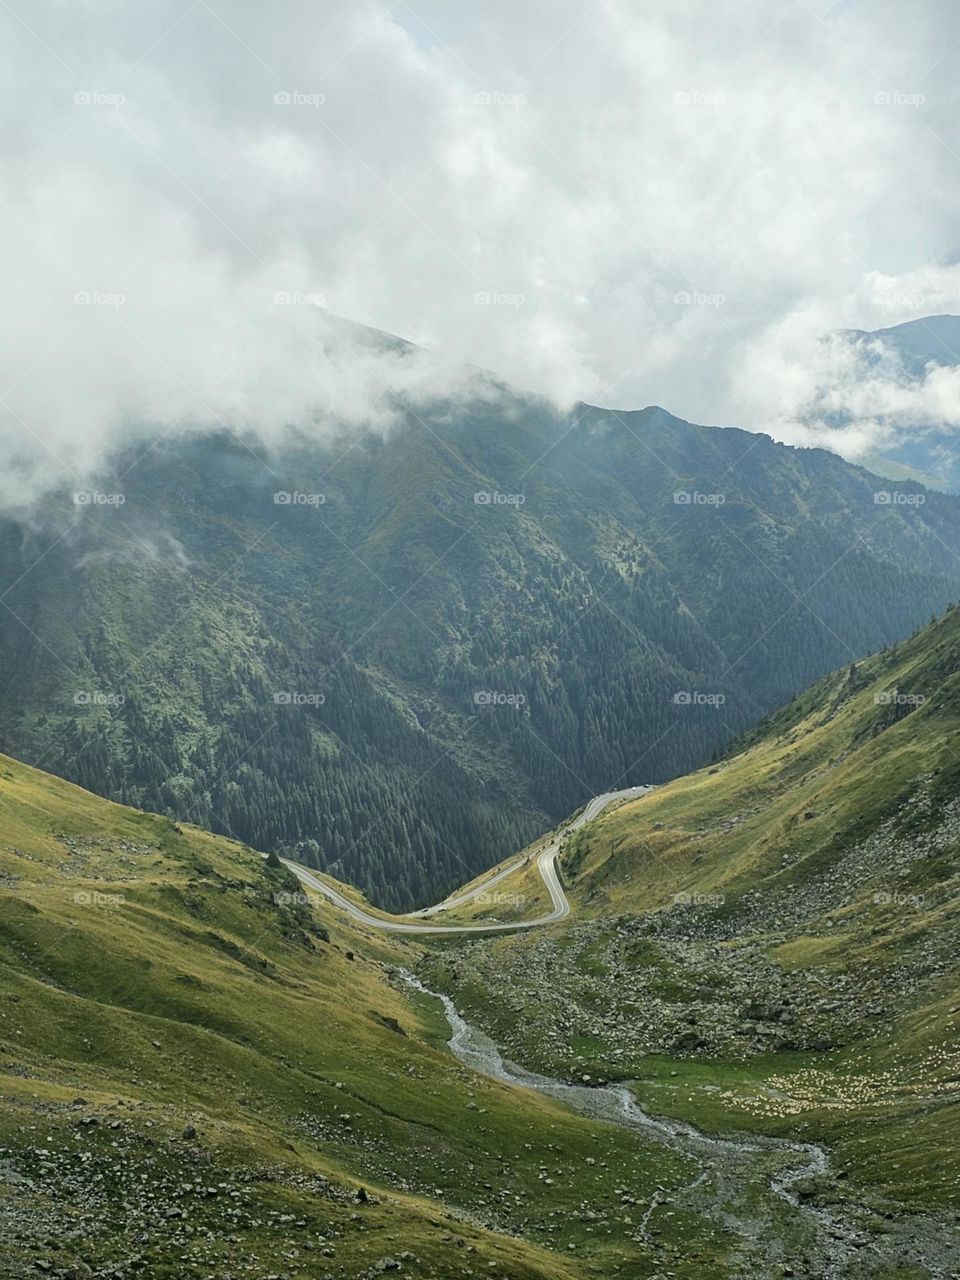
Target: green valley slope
{"points": [[773, 943], [202, 1073]]}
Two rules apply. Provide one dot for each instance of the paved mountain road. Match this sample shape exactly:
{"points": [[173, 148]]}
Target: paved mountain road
{"points": [[546, 864]]}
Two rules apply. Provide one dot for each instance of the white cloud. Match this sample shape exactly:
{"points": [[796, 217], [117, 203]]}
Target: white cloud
{"points": [[790, 169], [846, 391]]}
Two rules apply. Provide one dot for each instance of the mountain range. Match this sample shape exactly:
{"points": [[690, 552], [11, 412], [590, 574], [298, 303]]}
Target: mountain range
{"points": [[399, 655]]}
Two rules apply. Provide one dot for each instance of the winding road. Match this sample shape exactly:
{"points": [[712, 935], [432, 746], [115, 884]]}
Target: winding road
{"points": [[546, 865]]}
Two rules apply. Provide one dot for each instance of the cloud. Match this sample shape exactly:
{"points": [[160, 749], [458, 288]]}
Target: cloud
{"points": [[628, 204], [852, 392]]}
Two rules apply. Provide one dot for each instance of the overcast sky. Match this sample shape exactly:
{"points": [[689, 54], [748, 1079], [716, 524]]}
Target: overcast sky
{"points": [[625, 202]]}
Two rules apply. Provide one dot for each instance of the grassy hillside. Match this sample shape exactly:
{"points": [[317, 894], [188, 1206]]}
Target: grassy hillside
{"points": [[873, 748], [202, 1073], [197, 1079], [772, 943]]}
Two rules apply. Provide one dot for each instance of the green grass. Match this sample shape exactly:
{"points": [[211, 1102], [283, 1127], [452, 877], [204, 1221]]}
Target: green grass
{"points": [[881, 1124], [817, 777], [780, 817], [520, 896], [148, 971], [844, 804]]}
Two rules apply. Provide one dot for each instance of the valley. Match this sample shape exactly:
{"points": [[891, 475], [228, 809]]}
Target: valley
{"points": [[770, 946], [695, 1062], [199, 1072], [479, 640]]}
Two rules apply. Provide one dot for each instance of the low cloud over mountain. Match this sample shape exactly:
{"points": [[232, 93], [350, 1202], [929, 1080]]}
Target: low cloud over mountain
{"points": [[596, 204]]}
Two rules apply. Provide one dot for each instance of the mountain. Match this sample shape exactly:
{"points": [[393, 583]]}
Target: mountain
{"points": [[203, 1070], [772, 943], [931, 339], [921, 452], [206, 1072], [451, 634], [203, 1073]]}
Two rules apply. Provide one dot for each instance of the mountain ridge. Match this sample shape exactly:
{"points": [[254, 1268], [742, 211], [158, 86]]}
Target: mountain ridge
{"points": [[486, 615], [922, 451]]}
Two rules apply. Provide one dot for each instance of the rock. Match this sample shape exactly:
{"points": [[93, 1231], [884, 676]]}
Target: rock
{"points": [[188, 1131], [689, 1041]]}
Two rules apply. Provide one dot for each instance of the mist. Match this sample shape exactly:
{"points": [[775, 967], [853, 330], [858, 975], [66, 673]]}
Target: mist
{"points": [[621, 205]]}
